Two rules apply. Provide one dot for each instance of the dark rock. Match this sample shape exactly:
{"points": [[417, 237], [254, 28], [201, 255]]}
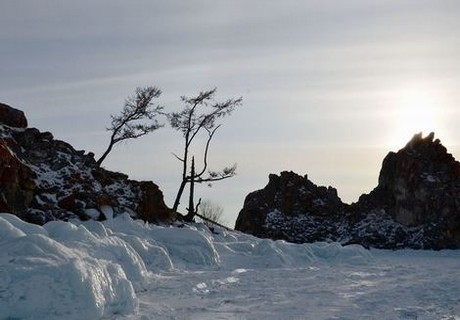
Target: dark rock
{"points": [[17, 182], [416, 205], [12, 117], [48, 136], [44, 179], [419, 189], [105, 177], [420, 183], [103, 201], [291, 196], [151, 207], [68, 203]]}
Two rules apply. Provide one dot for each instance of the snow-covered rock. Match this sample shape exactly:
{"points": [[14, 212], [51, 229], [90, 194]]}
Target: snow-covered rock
{"points": [[415, 205], [45, 179]]}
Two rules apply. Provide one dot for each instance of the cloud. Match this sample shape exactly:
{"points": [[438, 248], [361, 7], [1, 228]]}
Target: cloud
{"points": [[312, 73]]}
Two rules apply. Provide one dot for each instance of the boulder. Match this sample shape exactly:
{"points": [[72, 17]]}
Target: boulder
{"points": [[68, 203], [12, 117], [152, 207]]}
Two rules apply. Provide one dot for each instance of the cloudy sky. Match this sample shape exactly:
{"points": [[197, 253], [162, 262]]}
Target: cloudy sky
{"points": [[329, 87]]}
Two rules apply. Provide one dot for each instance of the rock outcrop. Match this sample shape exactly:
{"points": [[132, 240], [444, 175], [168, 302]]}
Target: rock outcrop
{"points": [[415, 205], [12, 117], [288, 206], [420, 184], [17, 182], [419, 191], [45, 179]]}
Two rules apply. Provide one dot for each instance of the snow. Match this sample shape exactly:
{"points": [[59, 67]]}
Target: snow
{"points": [[107, 211], [46, 278], [126, 269], [93, 213]]}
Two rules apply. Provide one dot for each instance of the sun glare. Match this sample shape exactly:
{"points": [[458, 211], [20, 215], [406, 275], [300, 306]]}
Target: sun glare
{"points": [[417, 110]]}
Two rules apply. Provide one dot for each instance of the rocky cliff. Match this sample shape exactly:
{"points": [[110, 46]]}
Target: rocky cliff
{"points": [[45, 179], [415, 205]]}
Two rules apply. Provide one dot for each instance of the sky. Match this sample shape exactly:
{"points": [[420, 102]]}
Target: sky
{"points": [[328, 87]]}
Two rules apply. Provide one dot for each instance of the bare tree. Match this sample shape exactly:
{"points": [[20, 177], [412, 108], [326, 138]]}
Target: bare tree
{"points": [[129, 124], [211, 212], [200, 114]]}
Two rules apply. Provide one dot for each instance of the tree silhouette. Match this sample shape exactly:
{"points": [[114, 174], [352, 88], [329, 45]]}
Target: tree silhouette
{"points": [[211, 212], [200, 114], [129, 124]]}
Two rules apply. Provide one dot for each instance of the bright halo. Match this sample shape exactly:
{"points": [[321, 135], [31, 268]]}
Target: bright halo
{"points": [[417, 110]]}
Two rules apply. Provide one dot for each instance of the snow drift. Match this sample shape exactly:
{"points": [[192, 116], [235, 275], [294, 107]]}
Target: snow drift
{"points": [[92, 270], [46, 278]]}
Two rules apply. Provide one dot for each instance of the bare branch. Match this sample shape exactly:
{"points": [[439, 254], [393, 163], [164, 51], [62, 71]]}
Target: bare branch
{"points": [[214, 176], [177, 157], [200, 113], [128, 124], [197, 205], [211, 214], [209, 179], [206, 149]]}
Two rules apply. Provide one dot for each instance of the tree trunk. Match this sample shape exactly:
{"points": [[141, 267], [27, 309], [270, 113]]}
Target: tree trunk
{"points": [[191, 205], [109, 148], [184, 176], [179, 195]]}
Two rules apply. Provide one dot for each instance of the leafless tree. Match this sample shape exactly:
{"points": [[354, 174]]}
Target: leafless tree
{"points": [[130, 123], [200, 115], [212, 212]]}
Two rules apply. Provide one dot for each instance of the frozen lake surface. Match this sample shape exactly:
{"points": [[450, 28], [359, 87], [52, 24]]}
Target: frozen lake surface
{"points": [[397, 285]]}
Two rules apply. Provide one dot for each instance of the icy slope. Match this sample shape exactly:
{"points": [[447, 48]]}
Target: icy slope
{"points": [[57, 274], [125, 269]]}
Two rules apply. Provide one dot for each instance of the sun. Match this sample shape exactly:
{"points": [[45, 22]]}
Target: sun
{"points": [[417, 109]]}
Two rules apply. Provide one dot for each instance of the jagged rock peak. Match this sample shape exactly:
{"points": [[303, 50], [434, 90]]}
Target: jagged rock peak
{"points": [[12, 117], [420, 183], [420, 153], [292, 194], [418, 139], [286, 195], [426, 145], [416, 204]]}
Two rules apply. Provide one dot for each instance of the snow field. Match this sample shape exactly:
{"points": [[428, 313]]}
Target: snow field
{"points": [[124, 269]]}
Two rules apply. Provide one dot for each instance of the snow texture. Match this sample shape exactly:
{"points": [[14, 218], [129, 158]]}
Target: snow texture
{"points": [[126, 269]]}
